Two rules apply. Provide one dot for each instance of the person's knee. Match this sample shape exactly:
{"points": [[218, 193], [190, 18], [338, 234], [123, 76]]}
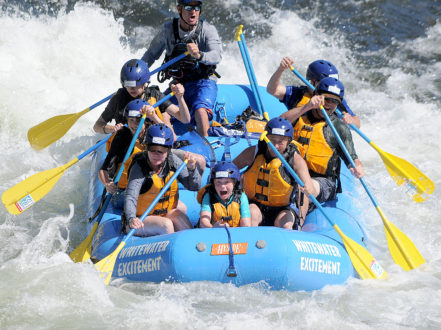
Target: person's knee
{"points": [[256, 215], [167, 226]]}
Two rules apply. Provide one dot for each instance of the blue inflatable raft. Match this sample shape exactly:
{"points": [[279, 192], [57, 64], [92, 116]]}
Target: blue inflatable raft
{"points": [[276, 258]]}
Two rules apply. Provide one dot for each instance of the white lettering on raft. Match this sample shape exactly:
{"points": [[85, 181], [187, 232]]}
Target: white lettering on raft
{"points": [[139, 266], [317, 248], [143, 249], [319, 266]]}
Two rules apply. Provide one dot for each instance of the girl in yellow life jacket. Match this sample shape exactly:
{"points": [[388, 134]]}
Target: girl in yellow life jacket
{"points": [[222, 201], [148, 174]]}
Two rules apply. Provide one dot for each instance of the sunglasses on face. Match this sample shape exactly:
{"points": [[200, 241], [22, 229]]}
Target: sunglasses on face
{"points": [[190, 7], [157, 151], [331, 100]]}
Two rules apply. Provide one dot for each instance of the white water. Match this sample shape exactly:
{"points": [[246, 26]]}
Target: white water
{"points": [[52, 66]]}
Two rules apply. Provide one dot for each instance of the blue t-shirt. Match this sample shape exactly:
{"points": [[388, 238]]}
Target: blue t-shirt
{"points": [[294, 94], [244, 205]]}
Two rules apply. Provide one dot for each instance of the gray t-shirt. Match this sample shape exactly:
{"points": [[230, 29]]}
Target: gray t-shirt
{"points": [[208, 42]]}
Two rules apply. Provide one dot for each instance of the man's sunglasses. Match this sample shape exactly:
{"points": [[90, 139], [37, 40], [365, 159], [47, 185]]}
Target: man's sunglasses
{"points": [[332, 100], [190, 7]]}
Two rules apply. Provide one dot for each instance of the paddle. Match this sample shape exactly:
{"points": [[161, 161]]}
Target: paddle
{"points": [[106, 265], [401, 248], [84, 250], [29, 191], [363, 262], [240, 38], [44, 134], [418, 185]]}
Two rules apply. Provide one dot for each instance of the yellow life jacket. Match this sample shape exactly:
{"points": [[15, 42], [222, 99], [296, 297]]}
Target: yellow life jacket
{"points": [[267, 183], [305, 99], [110, 140], [151, 187], [310, 140], [229, 214], [122, 183]]}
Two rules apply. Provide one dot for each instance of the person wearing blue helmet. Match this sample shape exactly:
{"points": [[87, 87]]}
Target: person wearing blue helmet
{"points": [[223, 202], [135, 78], [149, 172], [120, 144], [268, 185], [196, 71], [317, 143], [294, 97]]}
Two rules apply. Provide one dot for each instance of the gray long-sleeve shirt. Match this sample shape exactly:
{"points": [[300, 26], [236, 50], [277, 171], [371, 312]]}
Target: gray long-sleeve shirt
{"points": [[208, 42], [191, 179]]}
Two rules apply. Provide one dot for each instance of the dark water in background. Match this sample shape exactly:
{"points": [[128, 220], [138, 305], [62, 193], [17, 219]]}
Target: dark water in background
{"points": [[389, 55], [371, 29]]}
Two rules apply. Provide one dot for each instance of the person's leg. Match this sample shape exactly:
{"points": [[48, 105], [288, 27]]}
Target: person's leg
{"points": [[285, 219], [201, 102], [256, 215], [179, 219], [155, 225]]}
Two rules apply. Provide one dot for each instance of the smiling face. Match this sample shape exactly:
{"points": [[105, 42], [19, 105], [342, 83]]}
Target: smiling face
{"points": [[224, 188]]}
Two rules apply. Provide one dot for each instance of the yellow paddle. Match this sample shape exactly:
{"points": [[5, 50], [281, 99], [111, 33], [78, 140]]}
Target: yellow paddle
{"points": [[363, 262], [29, 191], [83, 252], [418, 185], [106, 265], [44, 134], [401, 248]]}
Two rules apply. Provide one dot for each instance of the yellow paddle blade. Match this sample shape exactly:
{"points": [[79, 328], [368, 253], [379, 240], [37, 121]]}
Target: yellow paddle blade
{"points": [[106, 265], [83, 251], [51, 130], [364, 263], [418, 185], [26, 193], [401, 248]]}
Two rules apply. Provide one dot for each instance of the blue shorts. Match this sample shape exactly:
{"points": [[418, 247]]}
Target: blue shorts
{"points": [[200, 94]]}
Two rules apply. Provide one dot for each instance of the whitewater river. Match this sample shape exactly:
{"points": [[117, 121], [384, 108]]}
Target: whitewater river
{"points": [[59, 57]]}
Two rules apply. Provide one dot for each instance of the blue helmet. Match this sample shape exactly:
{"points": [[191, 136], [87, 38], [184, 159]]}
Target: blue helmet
{"points": [[135, 73], [320, 69], [225, 170], [133, 108], [280, 126], [331, 86], [159, 134]]}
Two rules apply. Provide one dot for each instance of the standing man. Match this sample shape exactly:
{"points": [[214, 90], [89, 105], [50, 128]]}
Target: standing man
{"points": [[196, 71]]}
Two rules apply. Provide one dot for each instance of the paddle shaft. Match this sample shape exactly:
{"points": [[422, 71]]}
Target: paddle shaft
{"points": [[240, 38]]}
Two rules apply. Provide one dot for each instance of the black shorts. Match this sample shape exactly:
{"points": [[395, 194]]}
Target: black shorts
{"points": [[328, 189], [270, 213]]}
